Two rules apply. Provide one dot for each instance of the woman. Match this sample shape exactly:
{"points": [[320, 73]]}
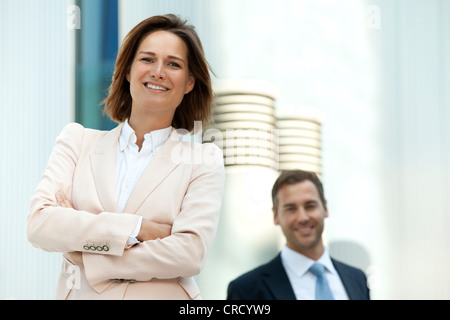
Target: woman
{"points": [[132, 213]]}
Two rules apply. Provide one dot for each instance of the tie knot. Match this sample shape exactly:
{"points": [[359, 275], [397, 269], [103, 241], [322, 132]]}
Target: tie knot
{"points": [[318, 269]]}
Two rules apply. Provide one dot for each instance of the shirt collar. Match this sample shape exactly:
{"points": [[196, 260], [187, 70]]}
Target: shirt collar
{"points": [[154, 139], [299, 264], [127, 136]]}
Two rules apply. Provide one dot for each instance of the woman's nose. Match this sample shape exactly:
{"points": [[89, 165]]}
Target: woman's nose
{"points": [[158, 72]]}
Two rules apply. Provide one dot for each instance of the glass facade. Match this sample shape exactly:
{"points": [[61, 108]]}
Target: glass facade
{"points": [[96, 49]]}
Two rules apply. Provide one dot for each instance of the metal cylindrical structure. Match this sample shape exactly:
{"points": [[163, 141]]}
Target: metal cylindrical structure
{"points": [[299, 139], [245, 129]]}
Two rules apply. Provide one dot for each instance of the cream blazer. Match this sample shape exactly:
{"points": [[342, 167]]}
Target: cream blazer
{"points": [[182, 186]]}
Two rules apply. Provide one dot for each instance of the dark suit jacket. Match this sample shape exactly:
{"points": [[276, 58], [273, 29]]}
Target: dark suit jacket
{"points": [[270, 282]]}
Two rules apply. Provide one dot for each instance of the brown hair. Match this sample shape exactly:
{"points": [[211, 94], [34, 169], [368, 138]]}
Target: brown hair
{"points": [[293, 177], [195, 106]]}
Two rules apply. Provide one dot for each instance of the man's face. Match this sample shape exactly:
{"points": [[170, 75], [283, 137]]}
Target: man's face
{"points": [[300, 214]]}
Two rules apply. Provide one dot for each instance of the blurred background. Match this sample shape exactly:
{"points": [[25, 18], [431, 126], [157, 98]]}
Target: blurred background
{"points": [[373, 75]]}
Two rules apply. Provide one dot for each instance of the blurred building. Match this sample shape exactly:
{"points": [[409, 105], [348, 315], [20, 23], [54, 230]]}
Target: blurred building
{"points": [[245, 129], [257, 142]]}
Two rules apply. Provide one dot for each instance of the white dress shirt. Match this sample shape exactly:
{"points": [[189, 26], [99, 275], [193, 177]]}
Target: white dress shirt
{"points": [[131, 163], [303, 282]]}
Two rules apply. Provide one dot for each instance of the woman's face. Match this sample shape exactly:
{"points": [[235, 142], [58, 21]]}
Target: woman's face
{"points": [[159, 76]]}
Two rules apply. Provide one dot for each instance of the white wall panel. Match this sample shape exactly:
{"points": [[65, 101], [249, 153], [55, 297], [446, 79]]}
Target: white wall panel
{"points": [[414, 49], [34, 107]]}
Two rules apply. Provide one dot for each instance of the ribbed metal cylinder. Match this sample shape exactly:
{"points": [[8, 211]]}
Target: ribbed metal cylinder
{"points": [[245, 129], [244, 113], [299, 139]]}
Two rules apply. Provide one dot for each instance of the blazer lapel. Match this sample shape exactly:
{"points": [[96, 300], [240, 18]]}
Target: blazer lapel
{"points": [[277, 280], [163, 163], [103, 165]]}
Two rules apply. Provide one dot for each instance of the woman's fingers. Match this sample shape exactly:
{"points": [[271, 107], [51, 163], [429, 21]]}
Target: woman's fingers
{"points": [[62, 200]]}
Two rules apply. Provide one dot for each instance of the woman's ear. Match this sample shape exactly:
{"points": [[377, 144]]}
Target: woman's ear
{"points": [[190, 84]]}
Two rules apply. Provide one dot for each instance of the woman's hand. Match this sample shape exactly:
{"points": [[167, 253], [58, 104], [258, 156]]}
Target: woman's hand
{"points": [[62, 200], [152, 230]]}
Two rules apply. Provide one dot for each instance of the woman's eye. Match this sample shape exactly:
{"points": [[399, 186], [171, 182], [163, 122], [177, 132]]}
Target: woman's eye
{"points": [[174, 64], [147, 59]]}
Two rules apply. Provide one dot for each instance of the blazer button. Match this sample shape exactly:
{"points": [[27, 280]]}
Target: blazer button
{"points": [[93, 248], [105, 248], [86, 247], [99, 248]]}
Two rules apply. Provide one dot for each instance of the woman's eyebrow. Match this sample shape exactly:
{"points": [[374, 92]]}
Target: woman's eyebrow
{"points": [[154, 54]]}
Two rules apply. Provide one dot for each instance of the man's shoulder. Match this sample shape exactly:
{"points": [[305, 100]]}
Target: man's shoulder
{"points": [[268, 281], [257, 272], [343, 266], [354, 280]]}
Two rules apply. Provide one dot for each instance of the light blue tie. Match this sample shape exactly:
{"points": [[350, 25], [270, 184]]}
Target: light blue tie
{"points": [[323, 291]]}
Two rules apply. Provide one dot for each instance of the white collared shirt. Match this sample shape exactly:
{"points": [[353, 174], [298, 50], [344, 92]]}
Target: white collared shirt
{"points": [[303, 282], [132, 162]]}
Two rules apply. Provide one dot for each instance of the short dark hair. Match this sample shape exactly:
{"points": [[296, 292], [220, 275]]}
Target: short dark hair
{"points": [[196, 105], [293, 177]]}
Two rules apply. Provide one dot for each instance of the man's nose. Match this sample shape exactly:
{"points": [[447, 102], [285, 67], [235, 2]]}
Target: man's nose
{"points": [[302, 215]]}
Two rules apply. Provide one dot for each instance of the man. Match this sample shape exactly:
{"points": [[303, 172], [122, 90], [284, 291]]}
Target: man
{"points": [[299, 208]]}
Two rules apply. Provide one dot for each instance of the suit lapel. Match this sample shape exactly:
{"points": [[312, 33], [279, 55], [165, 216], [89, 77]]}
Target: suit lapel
{"points": [[103, 165], [164, 162], [347, 280], [277, 280]]}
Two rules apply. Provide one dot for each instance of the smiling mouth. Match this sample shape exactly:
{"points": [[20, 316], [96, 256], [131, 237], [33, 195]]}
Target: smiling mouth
{"points": [[155, 87], [305, 230]]}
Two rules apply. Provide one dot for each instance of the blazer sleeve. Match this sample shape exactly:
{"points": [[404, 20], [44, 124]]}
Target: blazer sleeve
{"points": [[182, 254], [58, 229]]}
